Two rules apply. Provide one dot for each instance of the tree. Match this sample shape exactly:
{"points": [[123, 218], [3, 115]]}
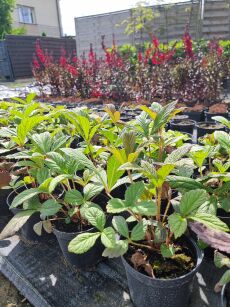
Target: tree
{"points": [[6, 20]]}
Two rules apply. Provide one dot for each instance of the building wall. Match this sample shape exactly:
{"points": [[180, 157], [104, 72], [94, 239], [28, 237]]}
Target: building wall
{"points": [[46, 17], [168, 25]]}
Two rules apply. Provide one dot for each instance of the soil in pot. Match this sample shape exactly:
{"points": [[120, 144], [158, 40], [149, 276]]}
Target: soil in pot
{"points": [[186, 125], [67, 232], [208, 128], [218, 109], [173, 277]]}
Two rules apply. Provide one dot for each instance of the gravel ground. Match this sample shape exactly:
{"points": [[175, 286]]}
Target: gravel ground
{"points": [[10, 296]]}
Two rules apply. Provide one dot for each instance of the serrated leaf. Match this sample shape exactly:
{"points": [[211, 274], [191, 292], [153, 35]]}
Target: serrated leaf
{"points": [[83, 242], [55, 181], [50, 207], [120, 249], [108, 237], [23, 196], [192, 200], [96, 217], [223, 138], [74, 197], [91, 190], [145, 207], [129, 139], [113, 174], [210, 220], [177, 224], [116, 205], [134, 192], [120, 225], [177, 154], [167, 251], [184, 183], [138, 231]]}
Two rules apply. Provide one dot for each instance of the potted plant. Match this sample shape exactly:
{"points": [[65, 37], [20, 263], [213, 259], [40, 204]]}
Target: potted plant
{"points": [[160, 261]]}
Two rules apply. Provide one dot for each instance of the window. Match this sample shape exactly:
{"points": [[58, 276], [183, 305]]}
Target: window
{"points": [[26, 14]]}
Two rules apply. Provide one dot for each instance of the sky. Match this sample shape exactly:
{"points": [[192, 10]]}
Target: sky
{"points": [[78, 8]]}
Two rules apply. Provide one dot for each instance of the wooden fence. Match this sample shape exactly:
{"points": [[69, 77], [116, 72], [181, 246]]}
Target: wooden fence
{"points": [[206, 19], [21, 50]]}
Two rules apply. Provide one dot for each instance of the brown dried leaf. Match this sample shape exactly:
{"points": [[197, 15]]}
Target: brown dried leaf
{"points": [[138, 259], [5, 179], [215, 238]]}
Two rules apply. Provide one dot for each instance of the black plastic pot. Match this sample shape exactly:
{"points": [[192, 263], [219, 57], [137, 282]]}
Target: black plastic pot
{"points": [[195, 115], [209, 116], [27, 230], [225, 296], [186, 125], [4, 208], [208, 128], [81, 261], [223, 216], [146, 291]]}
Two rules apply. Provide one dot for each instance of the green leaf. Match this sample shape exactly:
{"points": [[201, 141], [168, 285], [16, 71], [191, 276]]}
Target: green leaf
{"points": [[210, 220], [50, 207], [163, 172], [23, 196], [177, 154], [128, 139], [225, 203], [55, 181], [222, 120], [145, 207], [83, 242], [138, 231], [177, 224], [108, 237], [96, 217], [192, 200], [73, 197], [167, 251], [26, 126], [113, 174], [225, 279], [221, 260], [118, 250], [223, 138], [43, 173], [184, 183], [116, 205], [134, 191], [91, 190], [16, 223], [120, 225]]}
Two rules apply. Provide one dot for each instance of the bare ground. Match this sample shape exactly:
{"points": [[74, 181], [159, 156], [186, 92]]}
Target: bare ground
{"points": [[10, 296]]}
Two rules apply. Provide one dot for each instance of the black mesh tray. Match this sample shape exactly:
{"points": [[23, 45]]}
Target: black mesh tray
{"points": [[42, 275]]}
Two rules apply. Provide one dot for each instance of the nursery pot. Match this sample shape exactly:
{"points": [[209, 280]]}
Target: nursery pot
{"points": [[225, 296], [208, 128], [195, 115], [4, 193], [27, 230], [146, 291], [209, 116], [186, 125], [80, 261]]}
